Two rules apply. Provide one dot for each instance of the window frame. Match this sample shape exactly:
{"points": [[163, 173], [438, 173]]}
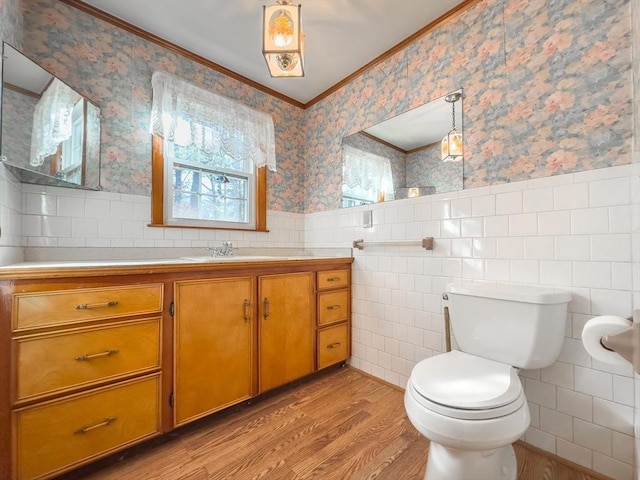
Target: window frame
{"points": [[158, 203]]}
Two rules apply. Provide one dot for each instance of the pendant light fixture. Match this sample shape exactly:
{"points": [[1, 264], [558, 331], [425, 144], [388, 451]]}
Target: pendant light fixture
{"points": [[283, 39], [451, 147]]}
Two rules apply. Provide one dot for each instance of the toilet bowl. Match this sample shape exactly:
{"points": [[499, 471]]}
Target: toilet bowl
{"points": [[470, 403], [471, 434]]}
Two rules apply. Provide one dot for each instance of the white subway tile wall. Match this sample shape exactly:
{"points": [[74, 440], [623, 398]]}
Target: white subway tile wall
{"points": [[60, 217], [10, 218], [572, 232]]}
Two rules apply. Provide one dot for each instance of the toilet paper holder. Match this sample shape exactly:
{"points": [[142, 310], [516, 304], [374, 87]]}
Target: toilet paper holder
{"points": [[626, 343]]}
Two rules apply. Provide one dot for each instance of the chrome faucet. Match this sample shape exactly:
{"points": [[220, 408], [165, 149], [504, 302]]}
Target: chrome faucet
{"points": [[226, 250]]}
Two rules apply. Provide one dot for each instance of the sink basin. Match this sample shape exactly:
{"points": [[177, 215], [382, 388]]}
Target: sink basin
{"points": [[233, 258]]}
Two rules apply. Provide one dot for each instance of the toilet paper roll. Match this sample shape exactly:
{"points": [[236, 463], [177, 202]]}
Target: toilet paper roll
{"points": [[598, 327]]}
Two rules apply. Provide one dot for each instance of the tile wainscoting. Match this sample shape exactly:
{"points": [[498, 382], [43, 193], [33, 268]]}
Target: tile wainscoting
{"points": [[10, 218], [61, 218], [570, 231]]}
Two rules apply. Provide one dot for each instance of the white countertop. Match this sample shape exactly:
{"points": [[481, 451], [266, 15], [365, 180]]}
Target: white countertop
{"points": [[158, 261]]}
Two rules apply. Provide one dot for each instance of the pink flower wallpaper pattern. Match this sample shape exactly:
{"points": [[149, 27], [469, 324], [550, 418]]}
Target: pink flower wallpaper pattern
{"points": [[547, 91], [113, 68]]}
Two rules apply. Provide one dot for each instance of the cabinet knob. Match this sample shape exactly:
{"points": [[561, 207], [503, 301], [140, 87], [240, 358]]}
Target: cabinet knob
{"points": [[333, 307], [334, 345]]}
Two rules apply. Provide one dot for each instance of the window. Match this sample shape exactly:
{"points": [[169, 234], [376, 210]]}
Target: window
{"points": [[209, 158], [71, 150], [367, 177]]}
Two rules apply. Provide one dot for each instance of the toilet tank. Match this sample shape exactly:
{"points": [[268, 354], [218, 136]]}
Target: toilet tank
{"points": [[518, 325]]}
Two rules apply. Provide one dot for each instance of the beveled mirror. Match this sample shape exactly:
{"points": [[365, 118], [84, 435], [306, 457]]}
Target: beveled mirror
{"points": [[50, 133], [403, 156]]}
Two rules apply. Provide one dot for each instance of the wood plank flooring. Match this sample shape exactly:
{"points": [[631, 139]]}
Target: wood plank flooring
{"points": [[341, 424]]}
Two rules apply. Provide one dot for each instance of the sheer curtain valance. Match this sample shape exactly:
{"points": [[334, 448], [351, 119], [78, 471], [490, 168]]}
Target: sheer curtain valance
{"points": [[52, 121], [188, 115], [365, 171]]}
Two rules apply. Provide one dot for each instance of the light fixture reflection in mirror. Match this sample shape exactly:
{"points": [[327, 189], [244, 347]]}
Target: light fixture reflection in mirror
{"points": [[50, 133], [401, 157]]}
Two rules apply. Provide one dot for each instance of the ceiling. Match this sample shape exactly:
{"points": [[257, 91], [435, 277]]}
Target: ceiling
{"points": [[20, 71], [342, 36]]}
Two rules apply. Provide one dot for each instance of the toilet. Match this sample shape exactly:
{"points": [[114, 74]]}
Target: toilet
{"points": [[469, 402]]}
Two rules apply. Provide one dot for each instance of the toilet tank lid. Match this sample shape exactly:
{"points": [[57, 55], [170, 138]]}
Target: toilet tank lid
{"points": [[512, 292]]}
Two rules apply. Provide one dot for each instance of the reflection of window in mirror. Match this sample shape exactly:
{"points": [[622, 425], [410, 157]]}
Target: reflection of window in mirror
{"points": [[50, 132], [367, 178], [67, 162]]}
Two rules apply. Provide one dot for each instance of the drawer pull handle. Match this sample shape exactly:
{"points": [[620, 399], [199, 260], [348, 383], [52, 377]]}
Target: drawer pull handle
{"points": [[86, 357], [333, 307], [266, 308], [104, 423], [334, 279], [333, 345], [246, 304], [88, 306]]}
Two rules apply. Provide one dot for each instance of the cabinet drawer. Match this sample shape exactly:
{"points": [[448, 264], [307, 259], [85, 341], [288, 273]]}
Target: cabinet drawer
{"points": [[333, 306], [54, 362], [333, 279], [58, 435], [43, 309], [333, 345]]}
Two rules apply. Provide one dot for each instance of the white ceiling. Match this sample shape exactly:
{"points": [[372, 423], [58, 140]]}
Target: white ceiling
{"points": [[21, 72], [341, 35]]}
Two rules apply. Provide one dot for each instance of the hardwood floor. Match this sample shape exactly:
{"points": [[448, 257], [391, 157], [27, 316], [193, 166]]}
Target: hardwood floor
{"points": [[341, 424]]}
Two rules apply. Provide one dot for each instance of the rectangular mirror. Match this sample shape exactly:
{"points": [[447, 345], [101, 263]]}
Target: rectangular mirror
{"points": [[403, 157], [50, 133]]}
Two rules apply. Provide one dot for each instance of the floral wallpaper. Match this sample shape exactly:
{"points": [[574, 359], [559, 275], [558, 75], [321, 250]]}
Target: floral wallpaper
{"points": [[113, 68], [547, 88], [426, 169], [547, 91], [11, 23], [17, 122]]}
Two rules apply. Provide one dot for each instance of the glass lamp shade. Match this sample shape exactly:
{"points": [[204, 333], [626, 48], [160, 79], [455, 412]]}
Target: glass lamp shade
{"points": [[283, 40], [451, 147]]}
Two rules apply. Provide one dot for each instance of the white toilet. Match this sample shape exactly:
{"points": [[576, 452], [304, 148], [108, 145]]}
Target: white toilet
{"points": [[470, 403]]}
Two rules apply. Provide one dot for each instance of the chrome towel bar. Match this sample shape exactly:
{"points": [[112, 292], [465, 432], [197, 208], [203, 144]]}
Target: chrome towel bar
{"points": [[426, 243]]}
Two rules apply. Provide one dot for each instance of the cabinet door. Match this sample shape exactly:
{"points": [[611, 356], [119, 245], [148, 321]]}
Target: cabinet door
{"points": [[213, 345], [286, 328]]}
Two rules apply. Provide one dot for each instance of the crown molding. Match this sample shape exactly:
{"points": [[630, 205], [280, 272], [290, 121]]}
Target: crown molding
{"points": [[117, 22]]}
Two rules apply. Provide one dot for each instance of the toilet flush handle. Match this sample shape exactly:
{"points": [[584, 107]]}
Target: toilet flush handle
{"points": [[447, 326]]}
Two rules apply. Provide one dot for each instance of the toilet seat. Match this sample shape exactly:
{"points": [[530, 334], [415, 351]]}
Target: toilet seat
{"points": [[464, 386]]}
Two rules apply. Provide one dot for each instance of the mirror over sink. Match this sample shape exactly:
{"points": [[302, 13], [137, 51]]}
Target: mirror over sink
{"points": [[405, 156], [50, 132]]}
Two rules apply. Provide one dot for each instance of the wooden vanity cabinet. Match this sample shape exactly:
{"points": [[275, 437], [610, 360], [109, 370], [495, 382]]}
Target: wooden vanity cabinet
{"points": [[95, 360], [86, 372], [285, 328], [214, 345], [333, 317]]}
